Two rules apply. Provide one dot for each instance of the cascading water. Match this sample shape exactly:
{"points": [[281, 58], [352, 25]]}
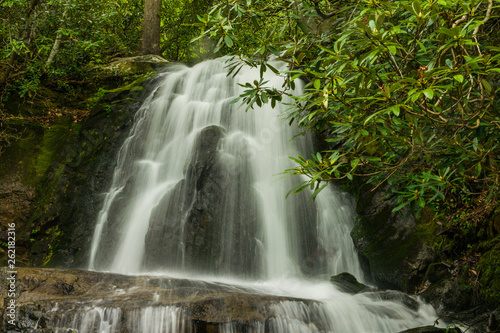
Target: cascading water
{"points": [[195, 194], [156, 189]]}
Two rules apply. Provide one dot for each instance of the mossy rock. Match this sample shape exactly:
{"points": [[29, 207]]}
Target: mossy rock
{"points": [[346, 282], [396, 246], [437, 272], [62, 163], [489, 275], [450, 295], [136, 65]]}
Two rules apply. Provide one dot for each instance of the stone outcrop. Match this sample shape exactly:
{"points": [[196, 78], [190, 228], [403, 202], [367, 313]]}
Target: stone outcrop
{"points": [[136, 65], [390, 243], [210, 217], [16, 199], [348, 283], [399, 252], [51, 177], [59, 298]]}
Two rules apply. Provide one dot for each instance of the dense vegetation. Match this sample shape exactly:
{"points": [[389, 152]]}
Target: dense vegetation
{"points": [[58, 43], [404, 90]]}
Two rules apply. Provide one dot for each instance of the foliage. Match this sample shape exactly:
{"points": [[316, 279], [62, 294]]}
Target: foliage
{"points": [[256, 28], [177, 30], [90, 32], [404, 90], [58, 43]]}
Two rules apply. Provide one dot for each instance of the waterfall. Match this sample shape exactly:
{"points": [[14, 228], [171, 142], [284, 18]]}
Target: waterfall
{"points": [[196, 192], [160, 189]]}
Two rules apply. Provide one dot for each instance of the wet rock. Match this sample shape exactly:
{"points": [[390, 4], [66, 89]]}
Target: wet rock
{"points": [[432, 329], [438, 272], [52, 178], [394, 253], [43, 307], [348, 283], [395, 296], [136, 65], [213, 218], [449, 295]]}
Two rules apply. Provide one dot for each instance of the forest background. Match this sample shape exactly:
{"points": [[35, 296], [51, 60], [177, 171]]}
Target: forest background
{"points": [[403, 94]]}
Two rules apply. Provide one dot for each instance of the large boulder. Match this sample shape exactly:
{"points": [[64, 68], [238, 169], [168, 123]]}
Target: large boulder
{"points": [[51, 299], [348, 283], [392, 245], [395, 296], [212, 217], [136, 65]]}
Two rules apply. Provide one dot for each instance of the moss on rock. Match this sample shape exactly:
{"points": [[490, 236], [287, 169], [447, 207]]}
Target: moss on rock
{"points": [[395, 244], [489, 275], [52, 161]]}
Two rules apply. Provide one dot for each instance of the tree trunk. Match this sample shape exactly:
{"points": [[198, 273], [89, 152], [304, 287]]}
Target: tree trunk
{"points": [[57, 42], [151, 27]]}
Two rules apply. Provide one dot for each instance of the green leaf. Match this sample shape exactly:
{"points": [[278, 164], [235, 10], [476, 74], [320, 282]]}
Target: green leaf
{"points": [[400, 206], [415, 96], [422, 47], [298, 188], [459, 78], [429, 93], [372, 25], [416, 7], [264, 98], [228, 41], [274, 51], [316, 192], [395, 109], [317, 84], [449, 63], [486, 86], [354, 163], [302, 27]]}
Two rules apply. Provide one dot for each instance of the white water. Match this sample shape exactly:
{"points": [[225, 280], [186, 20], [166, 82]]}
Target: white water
{"points": [[285, 245], [96, 319]]}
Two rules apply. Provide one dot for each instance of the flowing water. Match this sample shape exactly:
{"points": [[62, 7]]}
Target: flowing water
{"points": [[196, 193]]}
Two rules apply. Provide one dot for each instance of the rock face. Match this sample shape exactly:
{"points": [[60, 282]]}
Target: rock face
{"points": [[200, 202], [15, 202], [398, 250], [139, 64], [72, 299], [394, 295], [50, 179], [389, 243], [348, 283]]}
